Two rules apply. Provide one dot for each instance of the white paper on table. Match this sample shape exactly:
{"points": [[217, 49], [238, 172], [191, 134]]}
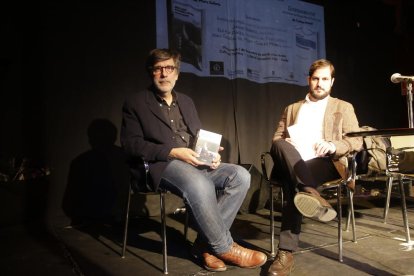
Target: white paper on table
{"points": [[305, 142]]}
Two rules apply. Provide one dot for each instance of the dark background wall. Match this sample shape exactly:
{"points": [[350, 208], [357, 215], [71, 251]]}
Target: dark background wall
{"points": [[67, 65]]}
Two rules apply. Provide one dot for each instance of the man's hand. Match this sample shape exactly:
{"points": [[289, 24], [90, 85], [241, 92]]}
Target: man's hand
{"points": [[323, 148], [187, 155], [216, 162]]}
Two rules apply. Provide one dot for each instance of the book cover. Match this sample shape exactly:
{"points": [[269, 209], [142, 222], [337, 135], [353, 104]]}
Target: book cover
{"points": [[207, 145]]}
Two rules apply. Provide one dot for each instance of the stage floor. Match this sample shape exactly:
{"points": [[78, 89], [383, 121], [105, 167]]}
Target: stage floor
{"points": [[95, 249]]}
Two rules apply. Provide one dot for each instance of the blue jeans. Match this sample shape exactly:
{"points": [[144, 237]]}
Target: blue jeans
{"points": [[214, 197]]}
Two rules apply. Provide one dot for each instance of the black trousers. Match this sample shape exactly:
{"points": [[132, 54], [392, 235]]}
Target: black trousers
{"points": [[292, 172]]}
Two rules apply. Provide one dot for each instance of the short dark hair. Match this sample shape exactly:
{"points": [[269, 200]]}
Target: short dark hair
{"points": [[320, 63], [158, 55]]}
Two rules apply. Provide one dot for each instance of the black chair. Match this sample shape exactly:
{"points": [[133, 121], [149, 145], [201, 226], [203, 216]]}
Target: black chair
{"points": [[266, 160], [339, 184], [394, 172], [139, 185], [391, 176]]}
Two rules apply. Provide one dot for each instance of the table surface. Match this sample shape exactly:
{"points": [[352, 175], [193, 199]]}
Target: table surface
{"points": [[387, 132]]}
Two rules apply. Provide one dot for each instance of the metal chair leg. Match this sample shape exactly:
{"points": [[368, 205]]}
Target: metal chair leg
{"points": [[282, 198], [350, 218], [186, 224], [124, 240], [349, 215], [389, 182], [163, 232], [339, 204], [404, 209], [272, 223], [351, 211]]}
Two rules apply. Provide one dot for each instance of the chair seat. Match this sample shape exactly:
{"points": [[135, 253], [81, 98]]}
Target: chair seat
{"points": [[332, 183], [372, 178]]}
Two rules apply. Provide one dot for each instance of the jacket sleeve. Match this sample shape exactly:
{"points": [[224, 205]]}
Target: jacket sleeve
{"points": [[345, 145], [281, 129]]}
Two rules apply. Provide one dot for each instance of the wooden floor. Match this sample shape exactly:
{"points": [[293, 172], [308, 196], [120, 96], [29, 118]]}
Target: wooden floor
{"points": [[380, 249]]}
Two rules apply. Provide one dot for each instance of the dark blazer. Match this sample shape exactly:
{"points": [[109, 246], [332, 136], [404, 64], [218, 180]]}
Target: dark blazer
{"points": [[146, 133]]}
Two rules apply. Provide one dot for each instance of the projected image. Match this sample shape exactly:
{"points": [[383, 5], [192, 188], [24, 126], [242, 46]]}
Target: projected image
{"points": [[262, 41], [186, 36]]}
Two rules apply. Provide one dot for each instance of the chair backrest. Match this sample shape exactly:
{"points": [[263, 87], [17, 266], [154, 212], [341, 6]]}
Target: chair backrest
{"points": [[362, 159], [267, 165], [400, 154], [376, 148], [140, 179]]}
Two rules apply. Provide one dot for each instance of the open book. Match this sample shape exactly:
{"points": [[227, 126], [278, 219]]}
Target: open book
{"points": [[207, 145]]}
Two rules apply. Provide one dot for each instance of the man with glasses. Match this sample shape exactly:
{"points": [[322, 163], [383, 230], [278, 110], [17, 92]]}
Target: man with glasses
{"points": [[159, 125]]}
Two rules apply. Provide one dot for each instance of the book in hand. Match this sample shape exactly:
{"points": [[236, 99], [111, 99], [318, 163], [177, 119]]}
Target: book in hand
{"points": [[207, 145]]}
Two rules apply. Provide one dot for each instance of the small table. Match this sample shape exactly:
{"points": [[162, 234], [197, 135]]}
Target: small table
{"points": [[387, 132]]}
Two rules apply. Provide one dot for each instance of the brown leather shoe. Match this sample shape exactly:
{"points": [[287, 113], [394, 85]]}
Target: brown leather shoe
{"points": [[243, 257], [210, 262], [282, 265], [310, 190]]}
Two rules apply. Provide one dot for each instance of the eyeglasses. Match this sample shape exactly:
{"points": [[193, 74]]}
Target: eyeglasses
{"points": [[167, 69]]}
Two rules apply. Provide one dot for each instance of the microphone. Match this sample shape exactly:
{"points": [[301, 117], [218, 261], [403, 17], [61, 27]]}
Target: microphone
{"points": [[396, 78]]}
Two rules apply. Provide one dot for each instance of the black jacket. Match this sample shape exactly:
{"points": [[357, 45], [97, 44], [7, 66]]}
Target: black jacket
{"points": [[145, 132]]}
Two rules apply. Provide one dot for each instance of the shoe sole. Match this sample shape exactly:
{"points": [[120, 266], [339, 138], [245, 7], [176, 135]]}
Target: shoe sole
{"points": [[215, 269], [311, 207]]}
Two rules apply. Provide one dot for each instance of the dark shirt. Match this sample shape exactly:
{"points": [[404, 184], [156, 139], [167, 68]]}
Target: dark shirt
{"points": [[172, 113]]}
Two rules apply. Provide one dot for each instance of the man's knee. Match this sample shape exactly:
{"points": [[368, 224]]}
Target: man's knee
{"points": [[240, 176], [245, 176]]}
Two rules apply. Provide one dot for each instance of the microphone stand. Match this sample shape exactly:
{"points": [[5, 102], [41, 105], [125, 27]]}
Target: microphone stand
{"points": [[410, 104]]}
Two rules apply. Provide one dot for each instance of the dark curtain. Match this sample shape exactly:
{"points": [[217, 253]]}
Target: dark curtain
{"points": [[64, 65]]}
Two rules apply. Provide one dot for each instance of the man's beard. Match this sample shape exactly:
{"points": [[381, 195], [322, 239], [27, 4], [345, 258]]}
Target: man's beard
{"points": [[320, 96]]}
